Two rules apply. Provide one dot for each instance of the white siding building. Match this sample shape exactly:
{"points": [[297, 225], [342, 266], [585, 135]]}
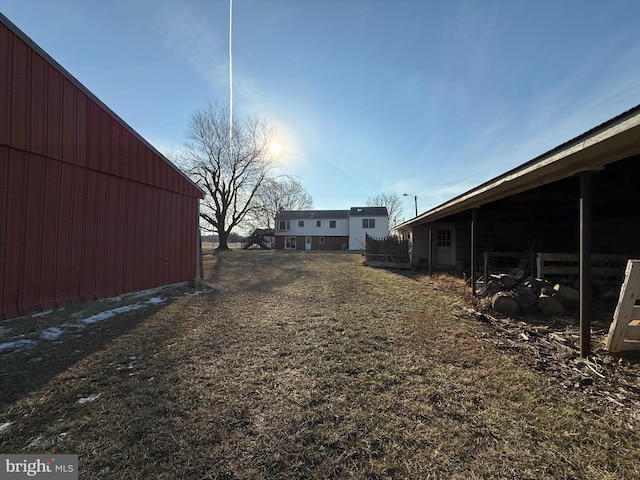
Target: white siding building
{"points": [[329, 229], [373, 221]]}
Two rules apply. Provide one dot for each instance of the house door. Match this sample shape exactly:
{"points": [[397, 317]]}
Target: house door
{"points": [[307, 243], [445, 246]]}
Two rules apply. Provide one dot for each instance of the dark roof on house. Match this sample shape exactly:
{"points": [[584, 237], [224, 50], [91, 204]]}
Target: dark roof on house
{"points": [[315, 214], [608, 142], [369, 211]]}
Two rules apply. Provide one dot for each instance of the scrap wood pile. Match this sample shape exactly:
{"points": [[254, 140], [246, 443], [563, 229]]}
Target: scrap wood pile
{"points": [[541, 325], [550, 345], [512, 294]]}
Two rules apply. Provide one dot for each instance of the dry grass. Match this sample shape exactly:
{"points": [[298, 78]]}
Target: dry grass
{"points": [[301, 365]]}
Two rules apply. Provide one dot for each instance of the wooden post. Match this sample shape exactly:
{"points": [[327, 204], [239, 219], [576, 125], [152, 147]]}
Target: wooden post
{"points": [[430, 247], [474, 223], [585, 263], [485, 270], [199, 260]]}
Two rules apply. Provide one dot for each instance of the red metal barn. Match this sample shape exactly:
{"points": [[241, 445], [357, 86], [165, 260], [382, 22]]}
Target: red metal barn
{"points": [[88, 208]]}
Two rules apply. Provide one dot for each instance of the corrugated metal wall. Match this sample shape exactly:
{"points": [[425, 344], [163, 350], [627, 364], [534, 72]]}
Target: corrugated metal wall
{"points": [[87, 208]]}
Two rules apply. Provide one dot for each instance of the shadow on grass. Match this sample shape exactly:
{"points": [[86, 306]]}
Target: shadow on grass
{"points": [[36, 348], [34, 360]]}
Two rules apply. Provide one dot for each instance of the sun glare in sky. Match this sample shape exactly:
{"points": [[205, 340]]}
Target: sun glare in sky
{"points": [[275, 148]]}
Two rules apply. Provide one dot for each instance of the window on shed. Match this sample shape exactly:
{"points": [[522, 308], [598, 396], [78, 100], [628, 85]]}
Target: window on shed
{"points": [[368, 223], [444, 238], [284, 225], [321, 240], [332, 224], [318, 223], [301, 223]]}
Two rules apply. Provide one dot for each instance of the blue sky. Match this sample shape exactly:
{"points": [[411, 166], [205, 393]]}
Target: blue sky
{"points": [[429, 98]]}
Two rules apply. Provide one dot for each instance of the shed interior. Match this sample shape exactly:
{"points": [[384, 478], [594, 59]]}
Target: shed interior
{"points": [[546, 218]]}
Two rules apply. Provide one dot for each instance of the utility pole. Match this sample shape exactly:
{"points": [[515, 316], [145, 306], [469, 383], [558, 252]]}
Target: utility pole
{"points": [[415, 200]]}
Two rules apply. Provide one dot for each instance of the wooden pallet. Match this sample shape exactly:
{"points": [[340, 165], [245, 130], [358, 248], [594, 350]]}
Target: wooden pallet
{"points": [[624, 333]]}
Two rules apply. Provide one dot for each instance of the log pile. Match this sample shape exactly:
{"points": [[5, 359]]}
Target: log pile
{"points": [[514, 294]]}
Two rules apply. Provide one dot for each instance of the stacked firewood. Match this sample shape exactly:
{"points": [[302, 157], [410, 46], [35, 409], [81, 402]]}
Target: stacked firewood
{"points": [[514, 293]]}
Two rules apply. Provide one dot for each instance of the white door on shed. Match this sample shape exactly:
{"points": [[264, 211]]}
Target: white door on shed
{"points": [[445, 246]]}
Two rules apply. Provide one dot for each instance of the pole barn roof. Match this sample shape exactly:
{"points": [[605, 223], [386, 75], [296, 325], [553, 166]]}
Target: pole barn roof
{"points": [[609, 142]]}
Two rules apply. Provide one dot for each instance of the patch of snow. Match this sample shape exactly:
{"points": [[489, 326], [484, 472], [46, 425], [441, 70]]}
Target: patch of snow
{"points": [[91, 398], [17, 344], [50, 333], [41, 314], [43, 440], [98, 317], [5, 426]]}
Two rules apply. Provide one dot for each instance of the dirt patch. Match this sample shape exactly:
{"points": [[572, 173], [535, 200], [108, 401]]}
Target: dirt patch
{"points": [[310, 365]]}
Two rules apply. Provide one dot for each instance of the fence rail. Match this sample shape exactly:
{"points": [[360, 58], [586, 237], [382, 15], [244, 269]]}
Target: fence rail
{"points": [[602, 265]]}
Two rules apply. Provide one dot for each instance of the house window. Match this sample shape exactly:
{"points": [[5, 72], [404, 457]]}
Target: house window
{"points": [[301, 223], [321, 240], [318, 223], [290, 243], [332, 224], [368, 223], [284, 225], [444, 238]]}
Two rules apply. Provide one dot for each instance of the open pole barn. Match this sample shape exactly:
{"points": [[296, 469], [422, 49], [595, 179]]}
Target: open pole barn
{"points": [[88, 208]]}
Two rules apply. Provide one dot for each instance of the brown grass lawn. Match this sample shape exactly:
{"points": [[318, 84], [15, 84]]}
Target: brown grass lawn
{"points": [[305, 366]]}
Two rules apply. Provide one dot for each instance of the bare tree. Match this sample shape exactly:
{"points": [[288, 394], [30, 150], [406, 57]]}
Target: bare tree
{"points": [[229, 167], [276, 194], [393, 203]]}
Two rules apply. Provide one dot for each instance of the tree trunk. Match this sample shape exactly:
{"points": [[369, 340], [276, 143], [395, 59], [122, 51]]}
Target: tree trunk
{"points": [[223, 239]]}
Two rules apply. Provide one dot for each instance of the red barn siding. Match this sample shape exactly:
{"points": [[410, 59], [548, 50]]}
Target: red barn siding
{"points": [[88, 209]]}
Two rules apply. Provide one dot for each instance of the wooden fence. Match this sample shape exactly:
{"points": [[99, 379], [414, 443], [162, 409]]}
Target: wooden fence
{"points": [[391, 252], [609, 266]]}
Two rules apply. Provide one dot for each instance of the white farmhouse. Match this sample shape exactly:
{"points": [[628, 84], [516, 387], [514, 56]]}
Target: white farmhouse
{"points": [[329, 229]]}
